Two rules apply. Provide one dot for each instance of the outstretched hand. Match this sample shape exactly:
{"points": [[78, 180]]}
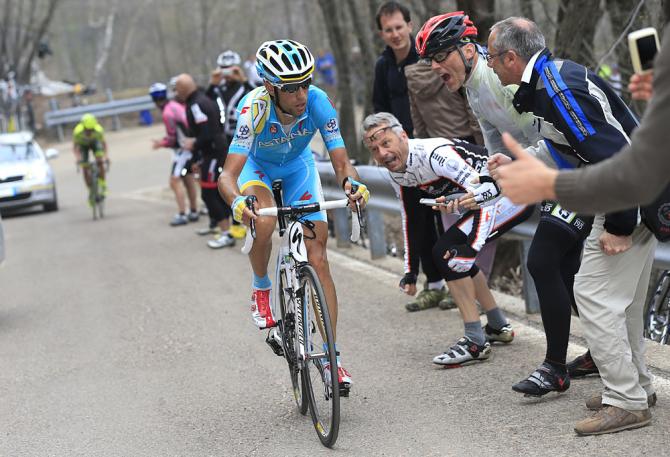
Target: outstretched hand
{"points": [[525, 180]]}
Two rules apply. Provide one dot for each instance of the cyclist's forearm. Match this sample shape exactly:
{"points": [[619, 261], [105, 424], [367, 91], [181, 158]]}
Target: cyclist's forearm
{"points": [[228, 187], [342, 166]]}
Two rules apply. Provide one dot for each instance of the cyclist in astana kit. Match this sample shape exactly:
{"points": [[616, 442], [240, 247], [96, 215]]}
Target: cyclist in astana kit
{"points": [[276, 123], [88, 135]]}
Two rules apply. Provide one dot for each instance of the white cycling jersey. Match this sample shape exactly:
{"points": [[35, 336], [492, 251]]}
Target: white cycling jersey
{"points": [[441, 167]]}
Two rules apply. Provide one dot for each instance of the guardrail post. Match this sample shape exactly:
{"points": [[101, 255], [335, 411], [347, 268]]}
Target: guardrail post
{"points": [[529, 291], [342, 229], [376, 233], [53, 104], [116, 122]]}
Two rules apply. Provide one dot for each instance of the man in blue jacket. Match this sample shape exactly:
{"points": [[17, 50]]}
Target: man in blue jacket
{"points": [[585, 122]]}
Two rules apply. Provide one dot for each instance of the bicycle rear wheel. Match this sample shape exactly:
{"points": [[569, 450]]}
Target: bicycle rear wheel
{"points": [[290, 346], [657, 315], [320, 371]]}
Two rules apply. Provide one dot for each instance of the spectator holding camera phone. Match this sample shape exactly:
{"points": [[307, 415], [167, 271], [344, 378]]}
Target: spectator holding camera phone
{"points": [[228, 84]]}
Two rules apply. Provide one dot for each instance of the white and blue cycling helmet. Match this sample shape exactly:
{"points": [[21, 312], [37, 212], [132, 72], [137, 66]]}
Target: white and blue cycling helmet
{"points": [[158, 91], [284, 61]]}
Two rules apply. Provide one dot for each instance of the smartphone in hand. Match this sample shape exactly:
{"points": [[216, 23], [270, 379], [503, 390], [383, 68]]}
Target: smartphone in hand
{"points": [[643, 45]]}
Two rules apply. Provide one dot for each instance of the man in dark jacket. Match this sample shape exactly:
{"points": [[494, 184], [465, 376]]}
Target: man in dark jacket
{"points": [[228, 84], [209, 149], [586, 122], [390, 95]]}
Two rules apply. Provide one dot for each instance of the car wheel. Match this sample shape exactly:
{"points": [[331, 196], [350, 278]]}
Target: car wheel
{"points": [[53, 206]]}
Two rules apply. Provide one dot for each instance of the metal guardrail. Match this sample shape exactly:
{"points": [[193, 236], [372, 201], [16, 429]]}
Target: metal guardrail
{"points": [[383, 199], [59, 117]]}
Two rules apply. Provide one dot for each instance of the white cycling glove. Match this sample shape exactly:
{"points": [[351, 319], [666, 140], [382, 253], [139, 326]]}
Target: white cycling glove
{"points": [[487, 191]]}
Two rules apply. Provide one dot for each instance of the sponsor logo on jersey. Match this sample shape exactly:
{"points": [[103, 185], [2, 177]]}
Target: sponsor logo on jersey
{"points": [[285, 139], [243, 132], [260, 174], [306, 196], [331, 125]]}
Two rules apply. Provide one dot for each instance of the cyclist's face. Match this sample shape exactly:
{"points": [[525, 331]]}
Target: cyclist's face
{"points": [[452, 69], [395, 31], [293, 103], [387, 147]]}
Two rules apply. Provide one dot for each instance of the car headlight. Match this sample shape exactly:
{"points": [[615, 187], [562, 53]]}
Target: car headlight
{"points": [[38, 173]]}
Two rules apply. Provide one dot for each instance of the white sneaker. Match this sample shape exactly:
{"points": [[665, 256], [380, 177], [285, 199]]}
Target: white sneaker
{"points": [[179, 219], [224, 241]]}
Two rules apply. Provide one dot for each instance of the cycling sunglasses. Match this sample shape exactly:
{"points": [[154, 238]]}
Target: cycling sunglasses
{"points": [[439, 56], [292, 88]]}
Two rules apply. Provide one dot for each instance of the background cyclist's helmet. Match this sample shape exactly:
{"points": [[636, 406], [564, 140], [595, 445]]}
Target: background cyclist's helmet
{"points": [[89, 121], [284, 61], [158, 91], [443, 32], [228, 59]]}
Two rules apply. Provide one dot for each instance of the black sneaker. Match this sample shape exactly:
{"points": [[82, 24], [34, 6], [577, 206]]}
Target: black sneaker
{"points": [[543, 380], [583, 366]]}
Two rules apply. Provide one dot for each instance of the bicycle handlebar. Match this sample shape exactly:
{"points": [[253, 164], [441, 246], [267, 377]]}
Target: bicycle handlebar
{"points": [[305, 209]]}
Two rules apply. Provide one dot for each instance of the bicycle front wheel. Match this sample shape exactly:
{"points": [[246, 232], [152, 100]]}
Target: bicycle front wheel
{"points": [[320, 371], [290, 345], [657, 315]]}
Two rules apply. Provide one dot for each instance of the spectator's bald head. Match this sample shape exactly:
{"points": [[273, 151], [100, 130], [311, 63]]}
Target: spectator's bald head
{"points": [[184, 86], [518, 34]]}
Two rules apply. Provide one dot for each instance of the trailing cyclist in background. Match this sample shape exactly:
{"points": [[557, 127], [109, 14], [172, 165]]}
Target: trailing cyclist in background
{"points": [[88, 135]]}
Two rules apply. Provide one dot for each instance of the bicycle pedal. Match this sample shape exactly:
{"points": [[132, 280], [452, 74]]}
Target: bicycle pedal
{"points": [[344, 391], [274, 344]]}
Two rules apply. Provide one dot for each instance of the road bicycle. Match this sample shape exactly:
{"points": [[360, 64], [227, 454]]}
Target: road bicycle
{"points": [[304, 333], [657, 313], [96, 197]]}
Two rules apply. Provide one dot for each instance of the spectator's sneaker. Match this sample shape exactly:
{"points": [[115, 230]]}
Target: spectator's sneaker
{"points": [[504, 335], [193, 216], [543, 380], [203, 210], [612, 419], [596, 402], [238, 231], [216, 231], [583, 366], [343, 377], [260, 309], [179, 219], [464, 352], [427, 298], [223, 241]]}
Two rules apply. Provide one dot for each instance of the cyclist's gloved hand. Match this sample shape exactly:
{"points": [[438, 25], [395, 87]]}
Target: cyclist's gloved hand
{"points": [[241, 203], [352, 188], [461, 258], [486, 191]]}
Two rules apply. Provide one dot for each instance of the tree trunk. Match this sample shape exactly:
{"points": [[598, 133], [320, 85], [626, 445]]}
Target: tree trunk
{"points": [[367, 57], [105, 47], [482, 13], [527, 9], [577, 22], [339, 42]]}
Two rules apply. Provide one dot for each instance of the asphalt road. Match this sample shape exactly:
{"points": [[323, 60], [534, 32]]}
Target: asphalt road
{"points": [[126, 337]]}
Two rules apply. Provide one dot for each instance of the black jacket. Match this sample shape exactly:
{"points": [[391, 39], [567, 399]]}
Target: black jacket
{"points": [[227, 96], [585, 122], [390, 87], [204, 122]]}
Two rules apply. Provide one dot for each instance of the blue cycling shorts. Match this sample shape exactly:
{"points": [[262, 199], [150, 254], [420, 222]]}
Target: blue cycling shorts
{"points": [[300, 180]]}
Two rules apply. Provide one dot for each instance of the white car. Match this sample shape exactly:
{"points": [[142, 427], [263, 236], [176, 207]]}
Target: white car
{"points": [[26, 178]]}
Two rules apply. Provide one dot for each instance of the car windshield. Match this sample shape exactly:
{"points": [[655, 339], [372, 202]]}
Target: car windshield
{"points": [[17, 152]]}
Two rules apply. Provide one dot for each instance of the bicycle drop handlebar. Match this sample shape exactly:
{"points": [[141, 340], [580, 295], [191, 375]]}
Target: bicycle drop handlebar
{"points": [[298, 210]]}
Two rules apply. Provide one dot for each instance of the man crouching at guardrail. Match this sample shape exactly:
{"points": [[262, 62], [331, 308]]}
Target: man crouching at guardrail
{"points": [[445, 169]]}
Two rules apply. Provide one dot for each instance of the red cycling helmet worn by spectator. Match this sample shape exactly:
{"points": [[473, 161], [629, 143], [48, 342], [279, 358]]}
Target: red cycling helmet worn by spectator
{"points": [[443, 32]]}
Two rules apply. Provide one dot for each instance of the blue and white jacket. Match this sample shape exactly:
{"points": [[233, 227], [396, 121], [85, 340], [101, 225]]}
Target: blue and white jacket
{"points": [[584, 121]]}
